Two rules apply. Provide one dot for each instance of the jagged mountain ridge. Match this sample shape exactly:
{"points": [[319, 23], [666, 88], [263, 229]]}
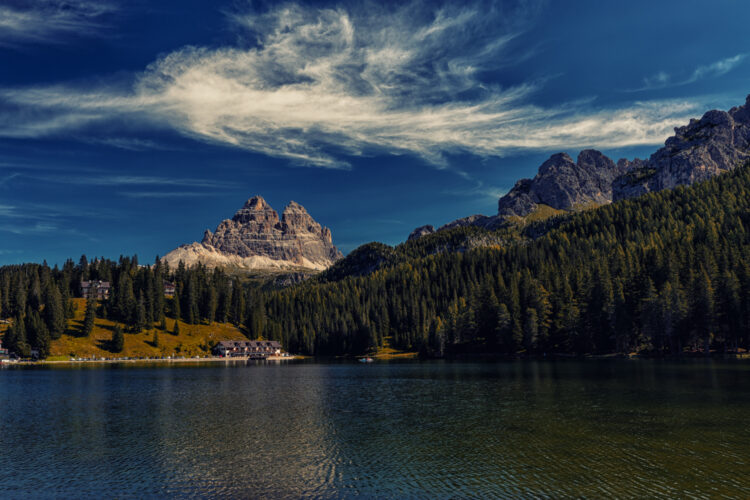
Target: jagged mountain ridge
{"points": [[564, 184], [255, 238], [717, 142]]}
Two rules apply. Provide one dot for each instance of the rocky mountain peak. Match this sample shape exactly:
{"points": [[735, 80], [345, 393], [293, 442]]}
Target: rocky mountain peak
{"points": [[255, 238], [564, 184], [295, 219], [421, 231], [717, 142], [257, 202], [256, 210]]}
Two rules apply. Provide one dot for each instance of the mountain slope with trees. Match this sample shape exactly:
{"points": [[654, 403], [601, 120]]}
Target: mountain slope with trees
{"points": [[665, 273]]}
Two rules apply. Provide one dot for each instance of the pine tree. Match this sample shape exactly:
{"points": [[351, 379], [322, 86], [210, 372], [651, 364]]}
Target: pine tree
{"points": [[504, 331], [118, 339], [237, 310], [54, 313], [38, 334], [18, 341], [256, 316], [140, 315], [155, 339], [176, 329], [176, 306], [125, 302], [531, 330], [212, 304], [90, 316]]}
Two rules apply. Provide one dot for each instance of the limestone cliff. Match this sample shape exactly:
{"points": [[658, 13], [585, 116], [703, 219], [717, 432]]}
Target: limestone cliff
{"points": [[255, 238]]}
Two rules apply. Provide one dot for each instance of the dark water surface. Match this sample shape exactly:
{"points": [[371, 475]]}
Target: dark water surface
{"points": [[400, 430]]}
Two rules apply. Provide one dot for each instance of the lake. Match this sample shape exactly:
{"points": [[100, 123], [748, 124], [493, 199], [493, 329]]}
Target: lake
{"points": [[557, 429]]}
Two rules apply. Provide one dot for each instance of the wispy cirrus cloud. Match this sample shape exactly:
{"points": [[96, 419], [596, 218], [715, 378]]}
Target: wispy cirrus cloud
{"points": [[662, 79], [49, 21], [168, 194], [314, 86], [7, 178], [130, 180], [34, 219]]}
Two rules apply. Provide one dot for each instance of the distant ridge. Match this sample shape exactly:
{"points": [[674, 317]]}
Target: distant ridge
{"points": [[255, 239]]}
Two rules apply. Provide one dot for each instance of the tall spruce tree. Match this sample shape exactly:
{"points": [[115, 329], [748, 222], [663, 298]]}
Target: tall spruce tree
{"points": [[89, 316], [118, 339], [54, 312]]}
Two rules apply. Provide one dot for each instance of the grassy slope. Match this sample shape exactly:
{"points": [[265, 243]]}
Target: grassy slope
{"points": [[193, 339], [389, 352]]}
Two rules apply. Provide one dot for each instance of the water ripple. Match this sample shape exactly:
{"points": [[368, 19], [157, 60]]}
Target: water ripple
{"points": [[400, 430]]}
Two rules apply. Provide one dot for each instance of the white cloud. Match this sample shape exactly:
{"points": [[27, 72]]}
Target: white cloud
{"points": [[717, 68], [663, 79], [6, 179], [315, 85], [38, 228], [47, 20], [168, 194], [130, 180]]}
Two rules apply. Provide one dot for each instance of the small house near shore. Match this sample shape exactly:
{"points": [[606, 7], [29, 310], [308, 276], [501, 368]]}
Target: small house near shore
{"points": [[100, 289], [250, 348]]}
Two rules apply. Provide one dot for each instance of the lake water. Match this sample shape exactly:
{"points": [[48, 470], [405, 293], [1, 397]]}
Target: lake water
{"points": [[399, 430]]}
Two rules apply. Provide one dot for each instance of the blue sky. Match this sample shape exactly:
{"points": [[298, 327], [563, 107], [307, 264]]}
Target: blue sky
{"points": [[130, 127]]}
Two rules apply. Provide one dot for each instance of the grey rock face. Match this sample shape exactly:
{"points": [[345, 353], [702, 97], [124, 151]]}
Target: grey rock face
{"points": [[484, 221], [256, 231], [718, 142], [421, 231], [564, 184]]}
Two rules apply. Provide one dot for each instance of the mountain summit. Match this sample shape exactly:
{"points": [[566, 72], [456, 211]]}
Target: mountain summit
{"points": [[718, 142], [255, 238]]}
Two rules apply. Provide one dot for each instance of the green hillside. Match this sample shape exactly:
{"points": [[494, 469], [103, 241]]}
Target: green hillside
{"points": [[667, 273]]}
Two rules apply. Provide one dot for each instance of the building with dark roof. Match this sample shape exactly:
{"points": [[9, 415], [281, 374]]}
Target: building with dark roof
{"points": [[100, 289], [249, 348]]}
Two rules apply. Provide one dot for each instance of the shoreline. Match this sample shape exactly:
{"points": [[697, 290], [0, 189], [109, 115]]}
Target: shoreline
{"points": [[211, 359], [402, 357]]}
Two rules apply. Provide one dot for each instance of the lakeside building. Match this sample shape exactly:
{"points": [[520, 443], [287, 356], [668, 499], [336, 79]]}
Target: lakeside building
{"points": [[251, 348], [3, 352], [169, 289], [100, 289]]}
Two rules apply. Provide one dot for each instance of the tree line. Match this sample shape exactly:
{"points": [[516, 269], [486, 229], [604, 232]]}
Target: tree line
{"points": [[36, 300]]}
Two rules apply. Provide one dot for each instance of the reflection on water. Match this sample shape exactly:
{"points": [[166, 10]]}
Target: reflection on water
{"points": [[428, 430]]}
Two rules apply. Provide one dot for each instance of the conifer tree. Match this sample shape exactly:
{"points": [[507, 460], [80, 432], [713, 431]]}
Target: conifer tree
{"points": [[140, 315], [18, 342], [89, 315], [237, 310], [176, 306], [118, 339], [54, 313], [37, 333], [531, 330], [503, 331]]}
